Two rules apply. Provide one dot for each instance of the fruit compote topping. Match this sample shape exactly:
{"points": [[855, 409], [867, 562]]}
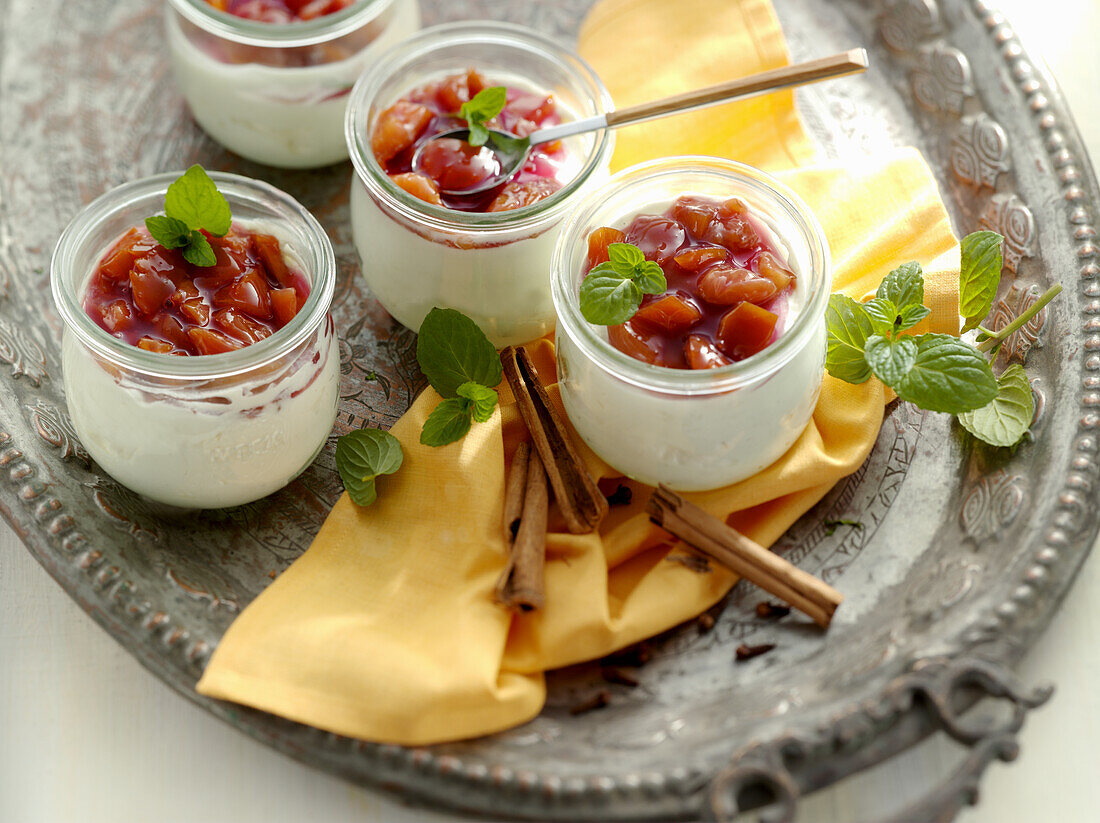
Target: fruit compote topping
{"points": [[454, 164], [727, 287], [152, 298], [280, 11]]}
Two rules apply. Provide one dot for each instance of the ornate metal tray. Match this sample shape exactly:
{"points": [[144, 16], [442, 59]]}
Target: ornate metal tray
{"points": [[963, 556]]}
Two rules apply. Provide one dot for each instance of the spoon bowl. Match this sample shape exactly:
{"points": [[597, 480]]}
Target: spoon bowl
{"points": [[478, 172]]}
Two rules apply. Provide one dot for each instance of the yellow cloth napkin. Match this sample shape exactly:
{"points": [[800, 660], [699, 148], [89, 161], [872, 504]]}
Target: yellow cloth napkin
{"points": [[386, 628]]}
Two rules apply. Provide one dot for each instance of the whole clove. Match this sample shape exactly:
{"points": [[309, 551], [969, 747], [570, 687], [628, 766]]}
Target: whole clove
{"points": [[621, 496], [596, 701], [747, 652], [618, 677], [771, 611]]}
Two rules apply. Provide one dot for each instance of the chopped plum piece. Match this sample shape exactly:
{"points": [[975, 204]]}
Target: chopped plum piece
{"points": [[152, 344], [517, 195], [117, 316], [733, 232], [419, 186], [162, 298], [284, 303], [598, 242], [249, 294], [150, 290], [767, 266], [659, 238], [627, 340], [724, 284], [209, 341], [267, 247], [701, 353], [241, 326], [458, 89], [697, 258], [672, 313], [397, 129], [120, 260], [745, 330], [695, 213]]}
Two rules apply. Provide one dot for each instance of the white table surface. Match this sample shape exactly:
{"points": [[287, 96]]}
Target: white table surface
{"points": [[88, 736]]}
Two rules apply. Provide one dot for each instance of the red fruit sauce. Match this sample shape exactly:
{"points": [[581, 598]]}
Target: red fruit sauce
{"points": [[727, 289], [152, 298], [454, 164], [280, 11]]}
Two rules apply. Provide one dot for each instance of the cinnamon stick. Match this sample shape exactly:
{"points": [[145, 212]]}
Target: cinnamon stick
{"points": [[750, 560], [521, 586], [514, 489], [579, 498]]}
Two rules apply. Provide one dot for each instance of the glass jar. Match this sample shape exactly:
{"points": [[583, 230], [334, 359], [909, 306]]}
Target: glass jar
{"points": [[495, 266], [206, 431], [692, 429], [273, 92]]}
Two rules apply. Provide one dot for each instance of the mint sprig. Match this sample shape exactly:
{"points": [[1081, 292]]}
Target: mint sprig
{"points": [[361, 457], [480, 109], [611, 292], [937, 372], [463, 367], [192, 205]]}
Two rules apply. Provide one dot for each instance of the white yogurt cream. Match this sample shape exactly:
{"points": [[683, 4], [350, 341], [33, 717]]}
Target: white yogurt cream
{"points": [[286, 116], [692, 430], [205, 431], [494, 267], [208, 444]]}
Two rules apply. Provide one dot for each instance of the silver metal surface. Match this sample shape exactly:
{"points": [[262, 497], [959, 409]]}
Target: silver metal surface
{"points": [[964, 552]]}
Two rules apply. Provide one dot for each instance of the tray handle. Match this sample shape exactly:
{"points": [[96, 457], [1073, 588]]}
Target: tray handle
{"points": [[760, 772]]}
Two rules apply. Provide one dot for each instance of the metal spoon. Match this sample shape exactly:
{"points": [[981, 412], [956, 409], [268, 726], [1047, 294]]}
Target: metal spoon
{"points": [[511, 150]]}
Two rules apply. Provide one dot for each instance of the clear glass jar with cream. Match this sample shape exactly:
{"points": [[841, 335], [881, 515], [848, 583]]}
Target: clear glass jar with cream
{"points": [[276, 92], [207, 431], [492, 266], [693, 429]]}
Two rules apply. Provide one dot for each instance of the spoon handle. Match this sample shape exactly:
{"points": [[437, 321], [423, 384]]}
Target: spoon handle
{"points": [[849, 62]]}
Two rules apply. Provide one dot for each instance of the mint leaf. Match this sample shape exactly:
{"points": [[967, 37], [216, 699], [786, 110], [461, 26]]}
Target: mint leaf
{"points": [[480, 109], [979, 276], [484, 400], [607, 298], [948, 375], [883, 314], [849, 325], [1007, 417], [625, 258], [910, 316], [168, 231], [195, 200], [650, 278], [904, 286], [452, 350], [198, 250], [891, 360], [363, 455], [449, 422]]}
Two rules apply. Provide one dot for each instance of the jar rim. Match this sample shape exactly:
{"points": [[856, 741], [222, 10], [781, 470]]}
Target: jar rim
{"points": [[237, 189], [407, 53], [783, 199], [280, 35]]}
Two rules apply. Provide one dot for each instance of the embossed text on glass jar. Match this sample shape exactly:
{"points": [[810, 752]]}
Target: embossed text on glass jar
{"points": [[494, 266], [276, 92], [692, 429], [204, 431]]}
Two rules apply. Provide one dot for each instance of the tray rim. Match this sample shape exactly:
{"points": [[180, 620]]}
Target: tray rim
{"points": [[89, 589]]}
